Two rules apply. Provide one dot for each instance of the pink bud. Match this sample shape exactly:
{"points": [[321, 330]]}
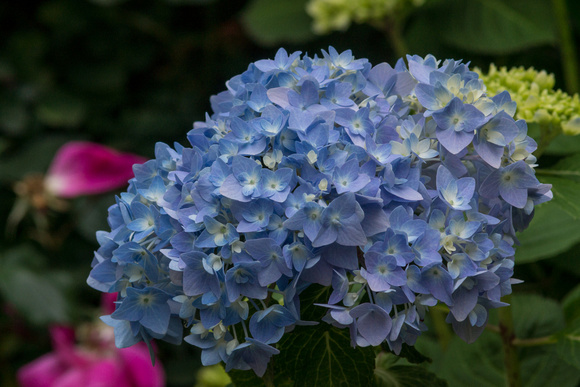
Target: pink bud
{"points": [[85, 168]]}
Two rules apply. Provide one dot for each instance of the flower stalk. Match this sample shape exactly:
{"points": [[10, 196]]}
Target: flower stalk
{"points": [[567, 47], [507, 333]]}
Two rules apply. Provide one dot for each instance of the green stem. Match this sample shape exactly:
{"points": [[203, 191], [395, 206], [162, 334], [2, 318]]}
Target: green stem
{"points": [[392, 27], [394, 31], [567, 49], [444, 334], [492, 328], [268, 377], [534, 342], [552, 172], [506, 330]]}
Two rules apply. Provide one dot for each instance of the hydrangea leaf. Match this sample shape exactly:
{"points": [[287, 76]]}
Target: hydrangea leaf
{"points": [[553, 231], [314, 294], [61, 110], [464, 24], [327, 360], [568, 345], [412, 355], [33, 157], [565, 179], [388, 373], [562, 144], [569, 167], [481, 363], [571, 304], [245, 379], [565, 194], [24, 282]]}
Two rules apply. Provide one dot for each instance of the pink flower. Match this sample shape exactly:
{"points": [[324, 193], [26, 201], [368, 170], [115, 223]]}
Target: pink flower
{"points": [[85, 168], [95, 363]]}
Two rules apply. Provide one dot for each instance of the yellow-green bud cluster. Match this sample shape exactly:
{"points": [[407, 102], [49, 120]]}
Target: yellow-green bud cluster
{"points": [[337, 15], [534, 93]]}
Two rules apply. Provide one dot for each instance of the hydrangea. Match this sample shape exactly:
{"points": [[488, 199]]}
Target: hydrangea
{"points": [[536, 99], [398, 187]]}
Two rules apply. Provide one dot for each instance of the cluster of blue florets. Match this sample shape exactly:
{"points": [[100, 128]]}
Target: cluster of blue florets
{"points": [[398, 187]]}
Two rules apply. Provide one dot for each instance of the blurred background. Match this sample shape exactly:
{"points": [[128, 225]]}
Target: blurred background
{"points": [[128, 74]]}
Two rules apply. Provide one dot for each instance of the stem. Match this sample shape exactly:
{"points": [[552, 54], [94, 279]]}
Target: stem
{"points": [[268, 377], [567, 50], [534, 342], [552, 172], [506, 330], [492, 328], [394, 32], [392, 27], [444, 334]]}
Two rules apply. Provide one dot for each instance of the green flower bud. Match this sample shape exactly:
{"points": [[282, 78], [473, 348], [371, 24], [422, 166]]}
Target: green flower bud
{"points": [[337, 15], [534, 93]]}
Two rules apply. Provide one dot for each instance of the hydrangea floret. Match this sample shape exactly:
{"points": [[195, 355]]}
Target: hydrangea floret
{"points": [[397, 187]]}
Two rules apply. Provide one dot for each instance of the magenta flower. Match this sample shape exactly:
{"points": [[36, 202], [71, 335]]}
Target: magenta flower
{"points": [[95, 362], [85, 168]]}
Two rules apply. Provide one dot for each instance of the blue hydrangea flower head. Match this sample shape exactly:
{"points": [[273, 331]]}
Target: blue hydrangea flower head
{"points": [[397, 187]]}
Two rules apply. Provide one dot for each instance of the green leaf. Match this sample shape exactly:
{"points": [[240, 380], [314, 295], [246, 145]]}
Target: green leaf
{"points": [[481, 363], [571, 304], [568, 345], [388, 374], [536, 316], [565, 194], [411, 354], [321, 355], [190, 2], [110, 78], [488, 26], [34, 157], [13, 118], [564, 145], [565, 179], [552, 231], [91, 215], [407, 376], [314, 294], [37, 294], [61, 109], [245, 378], [274, 22], [570, 166]]}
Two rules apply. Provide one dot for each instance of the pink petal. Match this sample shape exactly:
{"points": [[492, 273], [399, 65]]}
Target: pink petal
{"points": [[102, 373], [42, 372], [73, 377], [108, 372], [85, 168], [138, 366]]}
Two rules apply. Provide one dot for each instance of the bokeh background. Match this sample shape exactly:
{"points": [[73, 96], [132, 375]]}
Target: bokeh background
{"points": [[128, 74]]}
